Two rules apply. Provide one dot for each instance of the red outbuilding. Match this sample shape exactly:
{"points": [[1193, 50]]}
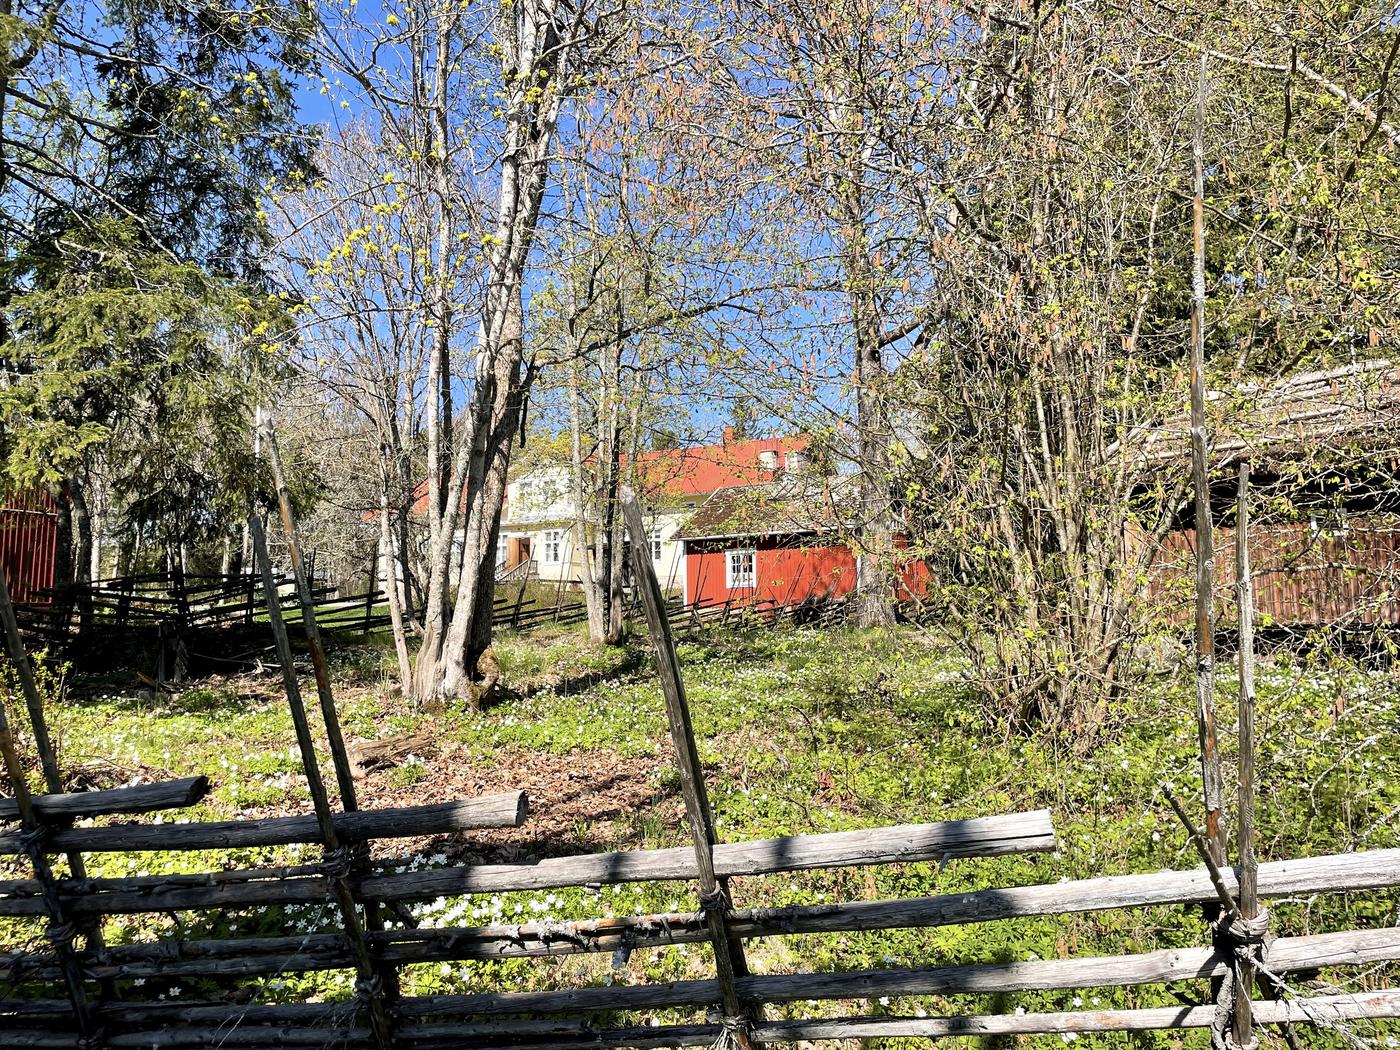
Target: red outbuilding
{"points": [[777, 544]]}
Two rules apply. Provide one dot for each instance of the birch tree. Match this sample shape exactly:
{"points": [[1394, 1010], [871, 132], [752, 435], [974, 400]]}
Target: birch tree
{"points": [[818, 93]]}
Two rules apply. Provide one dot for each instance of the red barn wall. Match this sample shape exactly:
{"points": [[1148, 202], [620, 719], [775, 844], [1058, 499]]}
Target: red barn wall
{"points": [[787, 570], [28, 544], [1301, 578]]}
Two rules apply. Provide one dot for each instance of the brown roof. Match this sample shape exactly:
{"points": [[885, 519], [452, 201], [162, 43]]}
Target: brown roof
{"points": [[1355, 408], [791, 506]]}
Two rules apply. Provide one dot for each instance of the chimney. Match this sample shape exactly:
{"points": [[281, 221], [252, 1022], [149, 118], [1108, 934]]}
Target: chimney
{"points": [[728, 435]]}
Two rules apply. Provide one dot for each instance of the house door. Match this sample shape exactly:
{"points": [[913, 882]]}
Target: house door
{"points": [[522, 551]]}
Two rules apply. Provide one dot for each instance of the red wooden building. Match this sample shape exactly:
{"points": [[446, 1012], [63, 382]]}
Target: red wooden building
{"points": [[1324, 449], [28, 546], [777, 544]]}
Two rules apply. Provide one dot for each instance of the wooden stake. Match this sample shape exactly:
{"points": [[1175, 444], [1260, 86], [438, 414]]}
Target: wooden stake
{"points": [[730, 963], [340, 758], [43, 743], [1249, 863], [345, 779], [340, 881], [60, 930], [1202, 844], [1212, 780]]}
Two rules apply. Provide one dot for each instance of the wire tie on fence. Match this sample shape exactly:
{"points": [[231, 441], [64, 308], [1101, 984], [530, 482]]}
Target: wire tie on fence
{"points": [[60, 934], [1247, 938], [371, 987], [33, 839], [715, 901], [733, 1033], [337, 863]]}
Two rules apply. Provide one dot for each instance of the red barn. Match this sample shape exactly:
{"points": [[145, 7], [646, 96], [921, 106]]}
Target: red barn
{"points": [[28, 546], [767, 544]]}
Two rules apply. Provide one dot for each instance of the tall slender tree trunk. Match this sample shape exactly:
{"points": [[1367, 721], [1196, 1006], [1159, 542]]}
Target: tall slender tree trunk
{"points": [[875, 578], [81, 565], [391, 582], [537, 44], [585, 533]]}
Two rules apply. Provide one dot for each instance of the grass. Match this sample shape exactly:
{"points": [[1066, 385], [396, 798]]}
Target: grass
{"points": [[800, 730]]}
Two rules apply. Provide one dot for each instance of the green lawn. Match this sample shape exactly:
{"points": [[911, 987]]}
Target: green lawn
{"points": [[800, 731]]}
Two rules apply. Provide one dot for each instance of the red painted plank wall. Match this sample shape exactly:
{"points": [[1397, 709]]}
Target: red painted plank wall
{"points": [[785, 572], [1301, 577], [28, 543]]}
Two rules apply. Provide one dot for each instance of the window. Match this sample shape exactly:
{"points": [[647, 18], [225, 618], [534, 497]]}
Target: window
{"points": [[796, 461], [739, 570], [553, 540], [768, 460], [654, 537], [1331, 525]]}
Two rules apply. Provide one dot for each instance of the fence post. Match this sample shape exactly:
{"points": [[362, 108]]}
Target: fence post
{"points": [[60, 931], [340, 758], [370, 985], [179, 653], [1249, 863], [1212, 786], [730, 963]]}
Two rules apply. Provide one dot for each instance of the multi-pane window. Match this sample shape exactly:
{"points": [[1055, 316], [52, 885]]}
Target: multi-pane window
{"points": [[654, 536], [553, 541], [739, 570]]}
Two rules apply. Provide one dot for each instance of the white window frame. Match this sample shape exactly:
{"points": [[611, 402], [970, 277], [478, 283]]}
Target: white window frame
{"points": [[553, 544], [655, 541], [768, 459], [736, 576]]}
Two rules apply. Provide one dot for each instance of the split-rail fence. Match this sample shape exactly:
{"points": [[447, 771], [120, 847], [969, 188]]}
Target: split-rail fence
{"points": [[84, 994]]}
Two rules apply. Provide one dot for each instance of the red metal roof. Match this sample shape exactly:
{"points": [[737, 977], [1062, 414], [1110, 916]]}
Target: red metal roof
{"points": [[698, 470], [703, 469]]}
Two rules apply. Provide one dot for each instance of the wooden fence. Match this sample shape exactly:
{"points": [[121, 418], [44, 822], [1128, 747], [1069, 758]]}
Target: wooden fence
{"points": [[83, 994], [99, 1003]]}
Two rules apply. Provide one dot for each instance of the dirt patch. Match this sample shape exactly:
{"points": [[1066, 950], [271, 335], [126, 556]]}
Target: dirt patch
{"points": [[581, 802]]}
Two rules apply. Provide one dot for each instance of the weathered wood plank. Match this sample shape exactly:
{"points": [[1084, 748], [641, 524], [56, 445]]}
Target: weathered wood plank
{"points": [[978, 837], [506, 810], [322, 1024], [250, 956], [142, 798]]}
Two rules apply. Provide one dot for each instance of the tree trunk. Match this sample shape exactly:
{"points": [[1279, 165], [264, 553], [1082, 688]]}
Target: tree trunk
{"points": [[534, 47], [874, 579], [584, 538], [391, 582]]}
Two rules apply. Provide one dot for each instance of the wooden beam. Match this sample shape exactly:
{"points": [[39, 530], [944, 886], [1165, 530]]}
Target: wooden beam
{"points": [[185, 1025], [506, 810], [142, 798], [1328, 874], [263, 955]]}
